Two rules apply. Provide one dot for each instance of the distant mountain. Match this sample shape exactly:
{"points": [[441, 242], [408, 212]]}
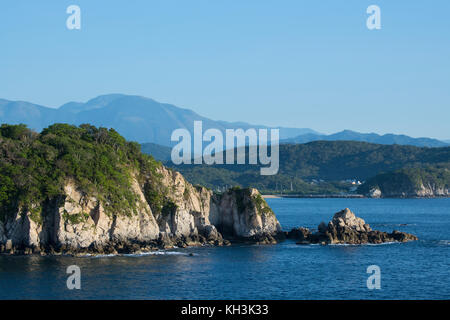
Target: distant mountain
{"points": [[160, 153], [145, 120], [348, 135], [136, 118], [33, 115]]}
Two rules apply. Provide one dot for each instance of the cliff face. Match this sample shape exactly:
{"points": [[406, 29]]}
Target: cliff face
{"points": [[421, 191], [410, 183], [75, 222]]}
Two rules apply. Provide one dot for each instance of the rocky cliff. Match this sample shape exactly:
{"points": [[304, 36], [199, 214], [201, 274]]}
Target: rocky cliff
{"points": [[87, 190], [426, 182], [420, 191], [77, 223]]}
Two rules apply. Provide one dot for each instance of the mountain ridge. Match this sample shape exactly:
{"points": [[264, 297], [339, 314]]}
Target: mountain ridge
{"points": [[135, 117], [146, 120], [350, 135]]}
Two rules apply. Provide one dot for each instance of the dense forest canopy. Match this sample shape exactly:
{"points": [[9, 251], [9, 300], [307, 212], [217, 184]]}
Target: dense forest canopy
{"points": [[327, 162], [34, 167], [409, 180]]}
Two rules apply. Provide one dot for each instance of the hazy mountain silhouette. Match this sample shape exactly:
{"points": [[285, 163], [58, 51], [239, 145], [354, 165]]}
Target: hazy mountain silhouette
{"points": [[136, 118], [348, 135], [147, 121]]}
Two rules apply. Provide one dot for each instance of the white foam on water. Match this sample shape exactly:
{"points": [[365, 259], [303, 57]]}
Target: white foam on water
{"points": [[362, 244], [157, 253], [141, 254]]}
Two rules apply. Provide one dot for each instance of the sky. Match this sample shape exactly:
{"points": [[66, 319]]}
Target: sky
{"points": [[293, 63]]}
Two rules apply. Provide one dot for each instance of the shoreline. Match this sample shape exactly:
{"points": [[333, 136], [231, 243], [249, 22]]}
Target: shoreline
{"points": [[345, 196], [321, 196]]}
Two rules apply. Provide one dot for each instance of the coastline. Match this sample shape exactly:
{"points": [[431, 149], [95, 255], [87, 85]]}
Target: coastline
{"points": [[321, 196], [346, 196]]}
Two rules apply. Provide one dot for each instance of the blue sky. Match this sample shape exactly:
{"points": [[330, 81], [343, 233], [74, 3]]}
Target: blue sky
{"points": [[289, 63]]}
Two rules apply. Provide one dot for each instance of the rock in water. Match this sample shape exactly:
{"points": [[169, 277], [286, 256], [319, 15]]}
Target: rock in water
{"points": [[347, 228], [347, 219], [77, 223]]}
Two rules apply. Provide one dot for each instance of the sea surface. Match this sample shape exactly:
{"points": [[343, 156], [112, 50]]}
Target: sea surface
{"points": [[415, 270]]}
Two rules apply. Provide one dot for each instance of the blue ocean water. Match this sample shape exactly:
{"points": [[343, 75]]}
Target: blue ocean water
{"points": [[415, 270]]}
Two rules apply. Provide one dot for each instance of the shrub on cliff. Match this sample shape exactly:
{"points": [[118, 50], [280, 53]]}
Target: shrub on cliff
{"points": [[34, 167], [409, 181]]}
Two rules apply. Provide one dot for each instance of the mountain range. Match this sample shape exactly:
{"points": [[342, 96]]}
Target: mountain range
{"points": [[136, 118], [348, 135], [147, 121]]}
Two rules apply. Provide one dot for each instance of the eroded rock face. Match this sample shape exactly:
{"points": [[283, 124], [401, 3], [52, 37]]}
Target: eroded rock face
{"points": [[244, 214], [422, 190], [345, 227], [78, 223], [347, 219]]}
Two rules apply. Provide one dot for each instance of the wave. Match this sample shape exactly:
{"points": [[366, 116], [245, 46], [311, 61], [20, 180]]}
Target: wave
{"points": [[363, 244], [158, 253], [393, 224], [141, 254]]}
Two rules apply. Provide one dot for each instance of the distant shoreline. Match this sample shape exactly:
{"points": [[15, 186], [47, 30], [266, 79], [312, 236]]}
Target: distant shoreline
{"points": [[322, 196], [342, 196]]}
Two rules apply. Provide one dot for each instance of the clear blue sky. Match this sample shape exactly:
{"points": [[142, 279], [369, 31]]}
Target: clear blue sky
{"points": [[290, 63]]}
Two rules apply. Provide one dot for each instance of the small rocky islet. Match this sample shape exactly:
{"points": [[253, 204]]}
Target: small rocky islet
{"points": [[347, 228]]}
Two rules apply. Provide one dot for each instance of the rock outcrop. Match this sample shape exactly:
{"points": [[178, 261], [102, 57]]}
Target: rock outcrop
{"points": [[428, 182], [346, 228], [77, 223], [420, 191]]}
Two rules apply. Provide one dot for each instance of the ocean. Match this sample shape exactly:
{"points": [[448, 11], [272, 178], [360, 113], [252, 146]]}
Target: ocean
{"points": [[414, 270]]}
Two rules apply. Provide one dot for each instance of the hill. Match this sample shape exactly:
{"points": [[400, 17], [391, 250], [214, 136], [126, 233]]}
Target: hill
{"points": [[432, 181], [319, 167], [159, 152], [348, 135]]}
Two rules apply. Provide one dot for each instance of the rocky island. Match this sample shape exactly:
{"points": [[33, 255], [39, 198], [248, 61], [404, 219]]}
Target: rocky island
{"points": [[77, 190], [346, 228], [86, 190]]}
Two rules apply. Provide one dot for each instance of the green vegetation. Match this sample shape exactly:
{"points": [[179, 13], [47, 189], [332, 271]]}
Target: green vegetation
{"points": [[409, 180], [262, 205], [75, 218], [241, 196], [158, 152], [169, 208], [35, 167], [244, 199], [318, 167]]}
